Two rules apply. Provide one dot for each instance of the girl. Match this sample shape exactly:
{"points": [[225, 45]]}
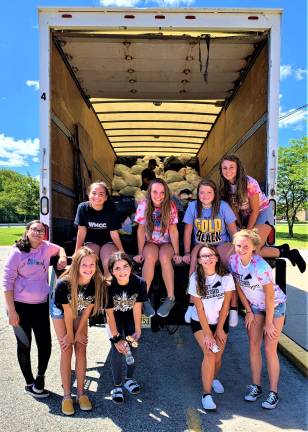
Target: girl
{"points": [[126, 294], [213, 222], [158, 239], [252, 208], [211, 289], [80, 292], [26, 291], [98, 224], [265, 305]]}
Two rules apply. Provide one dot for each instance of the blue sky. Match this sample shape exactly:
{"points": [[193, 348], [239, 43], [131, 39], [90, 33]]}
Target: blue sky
{"points": [[19, 94]]}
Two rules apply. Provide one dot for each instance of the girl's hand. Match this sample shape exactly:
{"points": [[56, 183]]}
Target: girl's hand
{"points": [[249, 320], [136, 335], [186, 258], [66, 342], [121, 346], [62, 263], [209, 341], [221, 336], [13, 318], [177, 259], [138, 258], [270, 330], [81, 338]]}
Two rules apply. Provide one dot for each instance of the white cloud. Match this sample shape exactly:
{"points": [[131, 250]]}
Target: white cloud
{"points": [[290, 119], [35, 159], [119, 3], [15, 153], [288, 71], [133, 3], [300, 73], [34, 84], [285, 71]]}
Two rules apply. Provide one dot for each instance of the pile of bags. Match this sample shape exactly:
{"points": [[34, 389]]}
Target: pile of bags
{"points": [[184, 176]]}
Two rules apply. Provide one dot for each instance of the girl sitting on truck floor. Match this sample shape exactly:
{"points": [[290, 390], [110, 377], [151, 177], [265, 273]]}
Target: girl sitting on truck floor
{"points": [[211, 289], [126, 294], [212, 221], [98, 224], [26, 289], [265, 305], [252, 208], [158, 239], [79, 292]]}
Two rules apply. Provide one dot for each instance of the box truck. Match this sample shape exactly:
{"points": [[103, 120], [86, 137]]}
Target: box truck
{"points": [[135, 82]]}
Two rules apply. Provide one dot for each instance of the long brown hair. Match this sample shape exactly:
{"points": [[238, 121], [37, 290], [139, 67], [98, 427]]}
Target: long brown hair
{"points": [[72, 275], [240, 180], [24, 244], [165, 208], [201, 276], [215, 202], [118, 256]]}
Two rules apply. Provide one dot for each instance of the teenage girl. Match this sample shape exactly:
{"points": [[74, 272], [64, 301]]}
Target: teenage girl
{"points": [[265, 305], [211, 289], [98, 224], [126, 294], [26, 290], [211, 221], [252, 208], [79, 292], [158, 239]]}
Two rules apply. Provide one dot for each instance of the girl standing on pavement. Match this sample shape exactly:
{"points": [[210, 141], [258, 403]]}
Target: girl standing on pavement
{"points": [[26, 290], [126, 294], [265, 305], [210, 287], [212, 221], [79, 292], [98, 224], [158, 239]]}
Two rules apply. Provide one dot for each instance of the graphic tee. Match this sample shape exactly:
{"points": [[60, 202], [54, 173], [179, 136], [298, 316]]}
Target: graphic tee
{"points": [[86, 295], [99, 223], [251, 279], [158, 237], [216, 286], [206, 229], [122, 298], [253, 188]]}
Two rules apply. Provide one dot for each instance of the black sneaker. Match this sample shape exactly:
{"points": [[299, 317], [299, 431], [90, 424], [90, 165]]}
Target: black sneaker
{"points": [[271, 401], [30, 390], [254, 391], [39, 383]]}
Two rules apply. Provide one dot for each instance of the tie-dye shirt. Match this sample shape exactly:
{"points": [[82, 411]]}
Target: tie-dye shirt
{"points": [[251, 279], [157, 236], [253, 188]]}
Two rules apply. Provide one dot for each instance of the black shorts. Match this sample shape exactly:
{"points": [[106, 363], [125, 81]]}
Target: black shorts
{"points": [[196, 326]]}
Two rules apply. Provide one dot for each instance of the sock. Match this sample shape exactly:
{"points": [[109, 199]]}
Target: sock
{"points": [[233, 308]]}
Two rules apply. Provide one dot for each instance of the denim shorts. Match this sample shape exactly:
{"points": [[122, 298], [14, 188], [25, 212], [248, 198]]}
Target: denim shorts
{"points": [[266, 216], [54, 311], [279, 311]]}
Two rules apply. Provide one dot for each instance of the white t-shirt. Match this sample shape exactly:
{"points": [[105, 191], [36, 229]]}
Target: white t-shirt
{"points": [[251, 279], [215, 286]]}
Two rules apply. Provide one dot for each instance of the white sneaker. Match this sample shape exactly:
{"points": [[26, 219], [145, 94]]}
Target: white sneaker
{"points": [[188, 314], [208, 403], [217, 386], [233, 318]]}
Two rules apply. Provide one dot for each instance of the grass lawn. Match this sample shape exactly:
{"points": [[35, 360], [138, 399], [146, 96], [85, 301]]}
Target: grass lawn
{"points": [[300, 239], [8, 235]]}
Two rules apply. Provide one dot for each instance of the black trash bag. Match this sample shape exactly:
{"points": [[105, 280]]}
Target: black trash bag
{"points": [[125, 206], [129, 161], [193, 163], [173, 163]]}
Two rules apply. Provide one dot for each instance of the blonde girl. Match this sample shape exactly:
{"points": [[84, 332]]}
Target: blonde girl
{"points": [[265, 305], [80, 292]]}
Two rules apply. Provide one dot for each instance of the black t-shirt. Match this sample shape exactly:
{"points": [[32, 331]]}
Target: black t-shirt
{"points": [[86, 295], [149, 175], [122, 298], [99, 223]]}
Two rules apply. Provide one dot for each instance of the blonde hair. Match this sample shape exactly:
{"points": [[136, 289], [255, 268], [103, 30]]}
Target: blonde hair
{"points": [[72, 275], [165, 208], [251, 234]]}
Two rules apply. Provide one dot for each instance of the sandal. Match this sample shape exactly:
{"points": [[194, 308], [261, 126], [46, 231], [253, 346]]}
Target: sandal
{"points": [[117, 395], [132, 386]]}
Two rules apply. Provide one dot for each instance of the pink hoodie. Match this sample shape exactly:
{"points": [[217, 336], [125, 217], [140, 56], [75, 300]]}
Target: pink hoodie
{"points": [[26, 273]]}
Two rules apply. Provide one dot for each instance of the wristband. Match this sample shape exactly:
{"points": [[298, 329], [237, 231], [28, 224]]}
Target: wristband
{"points": [[116, 339]]}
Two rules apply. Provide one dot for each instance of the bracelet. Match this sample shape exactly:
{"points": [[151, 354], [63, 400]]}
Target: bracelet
{"points": [[115, 339], [187, 253], [249, 311]]}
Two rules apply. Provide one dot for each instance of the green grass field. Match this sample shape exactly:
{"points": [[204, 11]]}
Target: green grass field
{"points": [[8, 235]]}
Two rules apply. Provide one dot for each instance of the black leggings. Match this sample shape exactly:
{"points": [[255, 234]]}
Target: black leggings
{"points": [[34, 317]]}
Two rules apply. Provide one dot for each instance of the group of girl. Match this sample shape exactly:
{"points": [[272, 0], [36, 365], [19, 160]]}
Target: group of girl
{"points": [[82, 290]]}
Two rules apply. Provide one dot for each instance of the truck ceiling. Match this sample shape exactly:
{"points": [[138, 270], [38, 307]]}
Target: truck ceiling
{"points": [[159, 92]]}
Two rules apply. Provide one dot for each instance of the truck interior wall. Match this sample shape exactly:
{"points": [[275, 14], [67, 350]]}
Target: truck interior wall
{"points": [[96, 157], [245, 109]]}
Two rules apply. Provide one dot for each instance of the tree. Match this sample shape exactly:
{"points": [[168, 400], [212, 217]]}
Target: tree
{"points": [[292, 180], [19, 197]]}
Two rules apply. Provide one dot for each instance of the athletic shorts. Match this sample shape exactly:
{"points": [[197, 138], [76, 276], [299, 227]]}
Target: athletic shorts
{"points": [[196, 326]]}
